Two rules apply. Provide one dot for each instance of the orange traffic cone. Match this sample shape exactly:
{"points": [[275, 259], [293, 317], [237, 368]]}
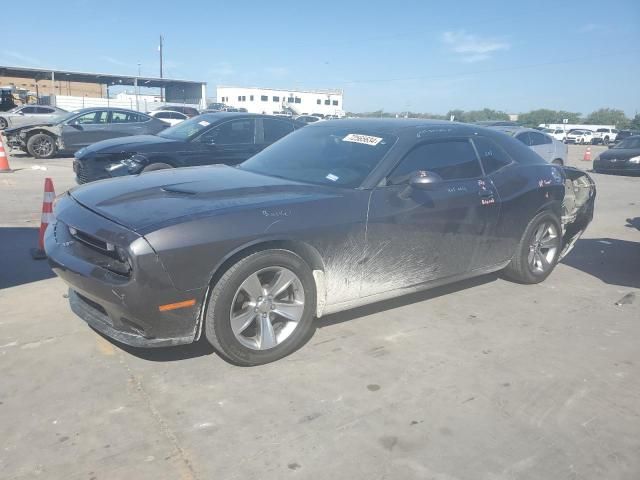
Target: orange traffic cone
{"points": [[587, 155], [47, 218], [4, 159]]}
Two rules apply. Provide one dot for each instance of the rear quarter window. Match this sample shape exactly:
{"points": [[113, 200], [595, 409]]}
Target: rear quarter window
{"points": [[517, 150]]}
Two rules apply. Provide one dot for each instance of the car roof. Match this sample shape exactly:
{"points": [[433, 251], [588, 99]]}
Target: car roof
{"points": [[217, 116], [513, 130], [397, 125]]}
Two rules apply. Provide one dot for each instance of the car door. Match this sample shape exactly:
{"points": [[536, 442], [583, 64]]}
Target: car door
{"points": [[542, 145], [230, 142], [46, 114], [416, 235], [123, 124], [85, 129], [24, 116], [271, 130]]}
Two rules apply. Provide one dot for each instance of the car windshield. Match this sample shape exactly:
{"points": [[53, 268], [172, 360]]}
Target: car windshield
{"points": [[333, 156], [602, 130], [14, 109], [629, 142], [186, 130]]}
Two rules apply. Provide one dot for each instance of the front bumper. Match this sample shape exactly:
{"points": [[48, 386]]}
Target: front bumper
{"points": [[124, 307], [616, 166]]}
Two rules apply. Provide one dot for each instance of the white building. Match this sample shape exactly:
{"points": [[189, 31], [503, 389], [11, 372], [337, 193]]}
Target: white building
{"points": [[271, 100]]}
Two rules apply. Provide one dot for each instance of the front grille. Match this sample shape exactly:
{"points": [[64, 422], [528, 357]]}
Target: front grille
{"points": [[106, 255], [81, 173], [92, 304]]}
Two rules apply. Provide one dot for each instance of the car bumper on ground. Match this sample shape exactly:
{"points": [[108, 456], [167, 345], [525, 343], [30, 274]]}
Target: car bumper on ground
{"points": [[137, 307]]}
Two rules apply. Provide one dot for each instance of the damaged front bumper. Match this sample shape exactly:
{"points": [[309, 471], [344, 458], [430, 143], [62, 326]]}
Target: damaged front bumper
{"points": [[578, 207], [118, 285]]}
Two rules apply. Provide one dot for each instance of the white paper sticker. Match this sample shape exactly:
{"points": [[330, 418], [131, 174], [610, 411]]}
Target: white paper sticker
{"points": [[204, 123], [364, 139], [332, 177]]}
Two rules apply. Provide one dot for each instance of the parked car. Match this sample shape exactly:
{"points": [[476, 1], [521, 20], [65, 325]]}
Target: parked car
{"points": [[335, 215], [623, 157], [583, 137], [215, 107], [29, 114], [550, 149], [210, 138], [168, 116], [622, 134], [307, 118], [75, 130], [188, 111], [557, 133], [604, 136]]}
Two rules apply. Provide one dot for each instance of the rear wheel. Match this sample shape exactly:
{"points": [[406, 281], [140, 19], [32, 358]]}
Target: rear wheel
{"points": [[606, 141], [558, 161], [262, 308], [41, 145], [537, 253]]}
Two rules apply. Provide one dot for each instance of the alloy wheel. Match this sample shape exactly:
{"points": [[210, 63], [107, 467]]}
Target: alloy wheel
{"points": [[267, 307], [43, 146], [543, 248]]}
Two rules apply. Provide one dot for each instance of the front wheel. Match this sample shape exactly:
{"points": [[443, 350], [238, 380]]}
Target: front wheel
{"points": [[41, 145], [262, 308], [558, 161], [537, 253], [3, 123]]}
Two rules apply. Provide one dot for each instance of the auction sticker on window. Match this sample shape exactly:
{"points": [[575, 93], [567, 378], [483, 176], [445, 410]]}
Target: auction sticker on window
{"points": [[204, 123], [364, 139]]}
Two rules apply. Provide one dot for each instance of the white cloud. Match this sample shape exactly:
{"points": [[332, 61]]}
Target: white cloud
{"points": [[114, 61], [26, 60], [472, 48]]}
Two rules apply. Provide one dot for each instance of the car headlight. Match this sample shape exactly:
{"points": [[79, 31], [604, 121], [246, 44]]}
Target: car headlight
{"points": [[133, 163], [635, 159]]}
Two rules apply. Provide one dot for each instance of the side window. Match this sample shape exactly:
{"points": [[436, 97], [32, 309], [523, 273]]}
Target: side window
{"points": [[30, 110], [491, 155], [164, 115], [275, 129], [235, 132], [99, 117], [524, 138], [126, 117], [452, 160], [538, 138]]}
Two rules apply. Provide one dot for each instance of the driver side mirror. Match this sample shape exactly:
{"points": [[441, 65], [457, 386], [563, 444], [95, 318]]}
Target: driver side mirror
{"points": [[424, 180]]}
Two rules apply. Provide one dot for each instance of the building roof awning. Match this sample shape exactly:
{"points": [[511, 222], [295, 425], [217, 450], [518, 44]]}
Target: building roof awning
{"points": [[87, 77]]}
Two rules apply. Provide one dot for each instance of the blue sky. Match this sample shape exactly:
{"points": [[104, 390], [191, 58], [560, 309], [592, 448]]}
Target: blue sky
{"points": [[421, 55]]}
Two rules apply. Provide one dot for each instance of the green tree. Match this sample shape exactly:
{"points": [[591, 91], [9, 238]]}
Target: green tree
{"points": [[635, 122], [544, 115], [608, 116]]}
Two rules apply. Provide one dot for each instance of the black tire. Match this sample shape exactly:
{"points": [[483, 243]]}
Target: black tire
{"points": [[42, 145], [558, 161], [217, 326], [156, 166], [3, 123], [520, 269], [605, 141]]}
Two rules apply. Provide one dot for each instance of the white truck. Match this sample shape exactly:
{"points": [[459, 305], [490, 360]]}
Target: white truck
{"points": [[604, 136]]}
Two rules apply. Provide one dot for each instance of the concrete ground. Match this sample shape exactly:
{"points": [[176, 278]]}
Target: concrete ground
{"points": [[485, 379]]}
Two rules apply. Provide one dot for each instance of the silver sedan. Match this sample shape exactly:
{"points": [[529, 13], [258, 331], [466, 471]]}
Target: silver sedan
{"points": [[552, 150], [28, 114]]}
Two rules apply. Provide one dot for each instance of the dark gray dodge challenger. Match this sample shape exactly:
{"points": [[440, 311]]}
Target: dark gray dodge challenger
{"points": [[335, 215]]}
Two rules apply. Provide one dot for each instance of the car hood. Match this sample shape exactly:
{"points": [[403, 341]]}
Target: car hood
{"points": [[137, 143], [147, 202], [621, 153]]}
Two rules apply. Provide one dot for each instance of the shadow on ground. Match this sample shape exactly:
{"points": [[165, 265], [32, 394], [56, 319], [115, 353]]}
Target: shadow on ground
{"points": [[16, 265], [614, 261], [202, 347]]}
